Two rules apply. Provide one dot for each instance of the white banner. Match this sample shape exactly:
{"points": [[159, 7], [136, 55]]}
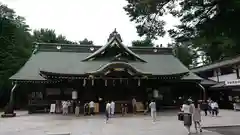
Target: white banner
{"points": [[232, 82]]}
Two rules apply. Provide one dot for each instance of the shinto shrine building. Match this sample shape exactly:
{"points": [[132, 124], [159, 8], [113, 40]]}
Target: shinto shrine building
{"points": [[109, 72]]}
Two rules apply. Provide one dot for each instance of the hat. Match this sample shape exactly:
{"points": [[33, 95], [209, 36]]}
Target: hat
{"points": [[190, 100]]}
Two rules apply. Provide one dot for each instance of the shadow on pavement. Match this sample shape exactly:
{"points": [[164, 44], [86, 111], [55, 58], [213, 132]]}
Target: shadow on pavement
{"points": [[225, 130]]}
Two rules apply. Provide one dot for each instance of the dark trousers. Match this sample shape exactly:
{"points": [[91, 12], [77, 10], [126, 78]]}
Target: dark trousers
{"points": [[215, 111], [107, 115], [92, 110], [134, 109], [205, 111]]}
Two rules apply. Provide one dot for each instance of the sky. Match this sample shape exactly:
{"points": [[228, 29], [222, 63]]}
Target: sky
{"points": [[79, 19]]}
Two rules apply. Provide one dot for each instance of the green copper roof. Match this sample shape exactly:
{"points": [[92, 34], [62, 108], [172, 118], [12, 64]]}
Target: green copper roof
{"points": [[70, 63], [77, 60]]}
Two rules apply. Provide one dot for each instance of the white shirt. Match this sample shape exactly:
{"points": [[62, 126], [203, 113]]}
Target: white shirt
{"points": [[152, 106], [91, 104], [64, 104], [112, 105], [214, 105], [108, 107], [134, 101], [188, 108]]}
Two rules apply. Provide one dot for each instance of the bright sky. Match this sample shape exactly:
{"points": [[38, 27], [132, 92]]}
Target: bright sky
{"points": [[79, 19]]}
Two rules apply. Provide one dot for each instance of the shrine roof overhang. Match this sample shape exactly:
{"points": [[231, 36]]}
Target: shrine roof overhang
{"points": [[71, 63]]}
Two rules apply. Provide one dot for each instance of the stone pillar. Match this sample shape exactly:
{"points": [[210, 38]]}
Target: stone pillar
{"points": [[9, 109]]}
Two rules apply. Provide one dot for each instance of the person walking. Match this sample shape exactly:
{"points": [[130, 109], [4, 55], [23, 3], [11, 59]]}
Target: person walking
{"points": [[112, 108], [107, 111], [92, 106], [215, 108], [197, 117], [146, 108], [134, 105], [152, 107], [77, 108], [65, 107], [187, 109], [86, 109], [122, 109]]}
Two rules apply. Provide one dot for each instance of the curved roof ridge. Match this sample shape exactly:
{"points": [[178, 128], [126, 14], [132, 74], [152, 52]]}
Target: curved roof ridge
{"points": [[108, 44], [115, 63]]}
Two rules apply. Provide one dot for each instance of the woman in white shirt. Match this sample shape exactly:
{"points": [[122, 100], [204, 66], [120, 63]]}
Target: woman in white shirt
{"points": [[152, 107], [187, 109]]}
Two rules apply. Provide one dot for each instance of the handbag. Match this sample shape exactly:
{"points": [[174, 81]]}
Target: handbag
{"points": [[180, 116]]}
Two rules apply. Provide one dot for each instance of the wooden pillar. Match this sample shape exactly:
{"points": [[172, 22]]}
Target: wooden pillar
{"points": [[203, 91]]}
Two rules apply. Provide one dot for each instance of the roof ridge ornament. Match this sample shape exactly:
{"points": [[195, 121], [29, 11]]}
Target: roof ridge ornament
{"points": [[115, 34]]}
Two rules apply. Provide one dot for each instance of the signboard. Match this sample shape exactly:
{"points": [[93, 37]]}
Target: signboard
{"points": [[118, 69], [232, 82]]}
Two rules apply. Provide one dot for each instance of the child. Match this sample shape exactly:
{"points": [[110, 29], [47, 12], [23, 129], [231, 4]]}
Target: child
{"points": [[197, 116]]}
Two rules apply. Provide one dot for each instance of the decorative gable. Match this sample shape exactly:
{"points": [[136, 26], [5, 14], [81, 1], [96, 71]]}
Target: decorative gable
{"points": [[114, 50]]}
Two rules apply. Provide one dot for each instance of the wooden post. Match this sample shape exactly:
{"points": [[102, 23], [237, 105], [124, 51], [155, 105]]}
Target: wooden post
{"points": [[203, 90]]}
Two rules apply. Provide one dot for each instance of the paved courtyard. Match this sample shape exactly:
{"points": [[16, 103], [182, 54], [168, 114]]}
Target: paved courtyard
{"points": [[167, 123]]}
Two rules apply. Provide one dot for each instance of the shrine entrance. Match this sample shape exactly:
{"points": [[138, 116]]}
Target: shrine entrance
{"points": [[118, 85]]}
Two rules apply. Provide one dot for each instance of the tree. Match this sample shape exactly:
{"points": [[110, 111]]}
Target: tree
{"points": [[15, 46], [86, 42], [188, 56], [208, 25], [143, 43], [49, 36]]}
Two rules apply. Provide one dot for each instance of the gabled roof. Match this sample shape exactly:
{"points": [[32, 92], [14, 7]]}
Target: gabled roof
{"points": [[219, 64], [71, 60], [114, 41]]}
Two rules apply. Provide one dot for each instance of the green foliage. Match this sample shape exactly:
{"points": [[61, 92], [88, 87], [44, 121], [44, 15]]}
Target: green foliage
{"points": [[188, 56], [145, 13], [86, 42], [15, 45], [143, 43], [49, 36], [211, 26]]}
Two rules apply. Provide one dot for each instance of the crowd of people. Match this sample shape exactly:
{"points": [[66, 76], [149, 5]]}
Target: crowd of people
{"points": [[190, 112], [70, 106]]}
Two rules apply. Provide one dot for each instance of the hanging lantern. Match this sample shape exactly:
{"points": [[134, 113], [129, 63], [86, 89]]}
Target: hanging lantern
{"points": [[105, 82], [155, 93], [139, 82], [92, 82], [84, 82], [74, 95]]}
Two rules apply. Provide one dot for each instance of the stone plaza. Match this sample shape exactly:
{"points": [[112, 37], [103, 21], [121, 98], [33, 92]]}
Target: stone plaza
{"points": [[167, 123]]}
